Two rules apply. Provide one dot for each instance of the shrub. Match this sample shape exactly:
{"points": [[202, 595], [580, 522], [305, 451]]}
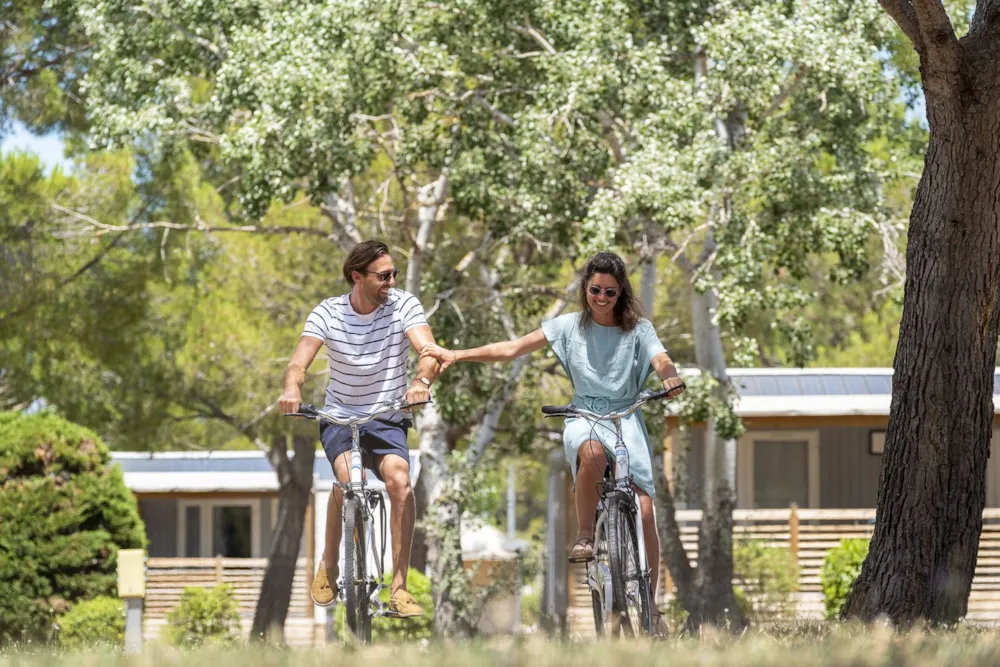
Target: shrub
{"points": [[65, 513], [97, 622], [204, 616], [765, 578], [840, 570], [400, 629]]}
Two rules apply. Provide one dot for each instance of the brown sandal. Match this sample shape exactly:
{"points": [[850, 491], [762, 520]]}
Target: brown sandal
{"points": [[582, 551]]}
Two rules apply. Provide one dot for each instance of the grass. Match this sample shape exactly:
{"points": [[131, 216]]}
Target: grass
{"points": [[802, 645]]}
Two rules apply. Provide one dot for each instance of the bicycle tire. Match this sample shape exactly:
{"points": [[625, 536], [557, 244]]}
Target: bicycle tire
{"points": [[599, 568], [629, 587], [355, 579]]}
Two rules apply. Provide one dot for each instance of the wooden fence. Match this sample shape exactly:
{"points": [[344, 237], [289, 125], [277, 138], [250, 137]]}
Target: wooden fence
{"points": [[809, 534], [166, 579]]}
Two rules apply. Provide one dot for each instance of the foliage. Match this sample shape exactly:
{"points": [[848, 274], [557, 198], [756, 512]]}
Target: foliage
{"points": [[840, 570], [99, 622], [204, 616], [65, 514], [766, 578], [401, 629]]}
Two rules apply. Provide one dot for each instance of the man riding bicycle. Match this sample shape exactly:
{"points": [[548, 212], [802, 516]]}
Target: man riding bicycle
{"points": [[368, 334]]}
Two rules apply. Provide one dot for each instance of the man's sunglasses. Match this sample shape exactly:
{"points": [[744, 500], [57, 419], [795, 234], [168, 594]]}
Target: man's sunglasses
{"points": [[385, 276], [610, 292]]}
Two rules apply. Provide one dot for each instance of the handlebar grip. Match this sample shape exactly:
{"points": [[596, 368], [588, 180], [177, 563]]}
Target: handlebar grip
{"points": [[307, 409], [407, 406], [556, 409]]}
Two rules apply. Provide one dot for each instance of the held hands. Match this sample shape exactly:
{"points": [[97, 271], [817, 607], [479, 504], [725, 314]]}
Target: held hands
{"points": [[674, 385], [444, 356]]}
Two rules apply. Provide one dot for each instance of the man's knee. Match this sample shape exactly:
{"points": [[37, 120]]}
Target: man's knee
{"points": [[396, 474]]}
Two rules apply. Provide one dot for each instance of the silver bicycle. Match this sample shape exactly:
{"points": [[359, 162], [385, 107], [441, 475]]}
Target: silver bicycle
{"points": [[618, 574], [359, 589]]}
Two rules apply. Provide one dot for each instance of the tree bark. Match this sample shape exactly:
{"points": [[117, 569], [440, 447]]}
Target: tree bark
{"points": [[714, 601], [295, 479], [932, 486]]}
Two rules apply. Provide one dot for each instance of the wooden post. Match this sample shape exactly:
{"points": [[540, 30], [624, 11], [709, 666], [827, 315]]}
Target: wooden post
{"points": [[793, 531], [310, 528], [218, 570]]}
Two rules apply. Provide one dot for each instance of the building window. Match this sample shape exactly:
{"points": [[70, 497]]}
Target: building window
{"points": [[220, 527], [192, 531], [777, 468], [232, 530]]}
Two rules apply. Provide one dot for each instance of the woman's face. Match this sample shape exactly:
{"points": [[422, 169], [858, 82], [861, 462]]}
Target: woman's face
{"points": [[607, 292]]}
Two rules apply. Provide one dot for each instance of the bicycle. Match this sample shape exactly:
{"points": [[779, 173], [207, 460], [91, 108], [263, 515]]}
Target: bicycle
{"points": [[618, 574], [361, 596]]}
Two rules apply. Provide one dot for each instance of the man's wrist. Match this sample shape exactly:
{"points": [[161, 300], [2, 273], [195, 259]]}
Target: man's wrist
{"points": [[421, 381]]}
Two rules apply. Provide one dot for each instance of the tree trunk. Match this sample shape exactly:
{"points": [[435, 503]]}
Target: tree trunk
{"points": [[932, 487], [714, 601], [295, 479]]}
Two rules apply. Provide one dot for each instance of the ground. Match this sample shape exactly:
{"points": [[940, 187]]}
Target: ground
{"points": [[802, 645]]}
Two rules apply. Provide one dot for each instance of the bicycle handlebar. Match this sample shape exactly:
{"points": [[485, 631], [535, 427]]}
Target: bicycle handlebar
{"points": [[573, 411], [312, 412]]}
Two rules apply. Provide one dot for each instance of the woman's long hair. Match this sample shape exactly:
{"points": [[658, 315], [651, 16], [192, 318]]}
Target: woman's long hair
{"points": [[628, 309]]}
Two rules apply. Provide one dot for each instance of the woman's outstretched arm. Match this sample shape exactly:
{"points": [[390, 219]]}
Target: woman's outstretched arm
{"points": [[507, 350]]}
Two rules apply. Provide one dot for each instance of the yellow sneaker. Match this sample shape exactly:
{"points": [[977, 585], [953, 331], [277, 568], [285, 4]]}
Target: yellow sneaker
{"points": [[323, 591], [402, 605]]}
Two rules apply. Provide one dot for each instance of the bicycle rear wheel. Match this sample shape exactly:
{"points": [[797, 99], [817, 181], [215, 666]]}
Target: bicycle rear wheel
{"points": [[355, 574], [629, 585]]}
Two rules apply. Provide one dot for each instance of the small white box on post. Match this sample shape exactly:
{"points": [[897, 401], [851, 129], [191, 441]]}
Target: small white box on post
{"points": [[132, 588]]}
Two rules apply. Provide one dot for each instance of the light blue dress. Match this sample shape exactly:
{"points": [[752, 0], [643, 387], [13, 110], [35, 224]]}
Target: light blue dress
{"points": [[608, 368]]}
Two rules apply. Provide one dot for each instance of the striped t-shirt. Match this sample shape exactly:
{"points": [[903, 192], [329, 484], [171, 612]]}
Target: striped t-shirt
{"points": [[367, 353]]}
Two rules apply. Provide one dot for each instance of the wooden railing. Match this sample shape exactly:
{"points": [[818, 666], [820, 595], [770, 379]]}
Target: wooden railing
{"points": [[166, 579], [809, 534]]}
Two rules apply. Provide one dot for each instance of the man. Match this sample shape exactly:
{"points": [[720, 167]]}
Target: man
{"points": [[368, 333]]}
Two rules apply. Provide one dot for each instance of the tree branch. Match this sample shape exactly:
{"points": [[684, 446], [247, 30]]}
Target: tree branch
{"points": [[986, 20], [102, 228], [530, 31], [905, 17]]}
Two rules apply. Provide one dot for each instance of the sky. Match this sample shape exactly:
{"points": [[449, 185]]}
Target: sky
{"points": [[49, 148]]}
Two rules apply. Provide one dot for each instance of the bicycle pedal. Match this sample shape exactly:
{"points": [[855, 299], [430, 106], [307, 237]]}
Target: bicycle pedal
{"points": [[389, 613]]}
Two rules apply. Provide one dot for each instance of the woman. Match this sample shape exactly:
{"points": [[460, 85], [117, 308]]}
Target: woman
{"points": [[608, 350]]}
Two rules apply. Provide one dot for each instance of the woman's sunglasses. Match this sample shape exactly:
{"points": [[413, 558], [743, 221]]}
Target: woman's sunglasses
{"points": [[610, 292], [385, 276]]}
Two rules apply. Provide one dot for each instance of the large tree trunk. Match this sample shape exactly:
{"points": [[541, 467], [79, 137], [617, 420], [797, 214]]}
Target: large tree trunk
{"points": [[932, 487], [295, 478]]}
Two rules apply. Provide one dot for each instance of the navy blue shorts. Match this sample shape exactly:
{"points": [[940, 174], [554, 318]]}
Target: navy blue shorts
{"points": [[377, 438]]}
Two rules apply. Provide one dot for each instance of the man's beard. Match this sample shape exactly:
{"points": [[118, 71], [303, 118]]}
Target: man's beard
{"points": [[377, 297]]}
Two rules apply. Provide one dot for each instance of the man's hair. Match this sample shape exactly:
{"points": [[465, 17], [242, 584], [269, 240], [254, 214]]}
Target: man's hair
{"points": [[361, 256]]}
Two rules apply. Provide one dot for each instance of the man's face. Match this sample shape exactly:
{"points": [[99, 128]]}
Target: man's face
{"points": [[374, 289]]}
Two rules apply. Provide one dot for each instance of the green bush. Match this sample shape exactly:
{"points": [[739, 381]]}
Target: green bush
{"points": [[764, 579], [204, 616], [400, 629], [841, 568], [90, 623], [64, 514]]}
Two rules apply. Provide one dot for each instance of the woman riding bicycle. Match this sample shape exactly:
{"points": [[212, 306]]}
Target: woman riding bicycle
{"points": [[608, 350]]}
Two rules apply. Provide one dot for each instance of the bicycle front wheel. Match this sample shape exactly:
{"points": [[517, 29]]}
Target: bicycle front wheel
{"points": [[356, 577], [631, 606], [600, 575]]}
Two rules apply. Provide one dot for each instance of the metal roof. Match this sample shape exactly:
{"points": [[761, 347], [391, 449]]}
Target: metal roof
{"points": [[213, 471]]}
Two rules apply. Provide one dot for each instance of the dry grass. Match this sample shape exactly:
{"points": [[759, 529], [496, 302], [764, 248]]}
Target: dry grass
{"points": [[800, 645]]}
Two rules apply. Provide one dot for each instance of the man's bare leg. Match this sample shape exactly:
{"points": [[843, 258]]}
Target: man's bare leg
{"points": [[335, 517], [395, 471]]}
